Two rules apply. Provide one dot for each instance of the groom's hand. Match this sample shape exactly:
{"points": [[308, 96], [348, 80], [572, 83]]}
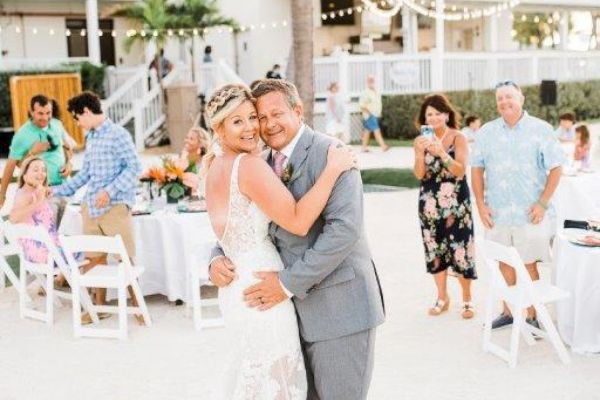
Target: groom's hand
{"points": [[222, 272], [265, 294]]}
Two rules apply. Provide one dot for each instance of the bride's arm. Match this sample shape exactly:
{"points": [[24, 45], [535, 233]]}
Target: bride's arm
{"points": [[263, 187]]}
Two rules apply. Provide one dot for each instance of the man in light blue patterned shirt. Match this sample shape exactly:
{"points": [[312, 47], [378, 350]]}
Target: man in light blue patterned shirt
{"points": [[516, 167], [110, 169]]}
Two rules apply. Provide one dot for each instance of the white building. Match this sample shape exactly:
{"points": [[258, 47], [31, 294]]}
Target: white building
{"points": [[411, 46]]}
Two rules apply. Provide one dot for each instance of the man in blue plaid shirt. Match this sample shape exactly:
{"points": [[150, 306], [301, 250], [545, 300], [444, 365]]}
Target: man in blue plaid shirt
{"points": [[110, 169]]}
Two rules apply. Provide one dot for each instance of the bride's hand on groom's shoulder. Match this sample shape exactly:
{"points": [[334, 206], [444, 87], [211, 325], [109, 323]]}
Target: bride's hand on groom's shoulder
{"points": [[267, 293], [341, 158], [222, 271]]}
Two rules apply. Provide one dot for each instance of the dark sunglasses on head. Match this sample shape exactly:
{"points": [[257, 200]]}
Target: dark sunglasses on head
{"points": [[506, 83]]}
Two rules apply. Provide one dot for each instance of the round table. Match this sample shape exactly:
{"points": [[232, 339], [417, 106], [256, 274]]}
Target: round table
{"points": [[577, 198], [168, 244], [578, 271]]}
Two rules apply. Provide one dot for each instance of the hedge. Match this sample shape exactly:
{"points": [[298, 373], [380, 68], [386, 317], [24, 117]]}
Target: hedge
{"points": [[92, 78], [582, 98]]}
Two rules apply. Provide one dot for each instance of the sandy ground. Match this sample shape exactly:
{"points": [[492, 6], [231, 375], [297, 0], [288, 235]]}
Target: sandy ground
{"points": [[417, 356]]}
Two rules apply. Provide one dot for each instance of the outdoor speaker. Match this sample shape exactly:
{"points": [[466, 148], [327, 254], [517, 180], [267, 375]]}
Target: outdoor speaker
{"points": [[548, 93]]}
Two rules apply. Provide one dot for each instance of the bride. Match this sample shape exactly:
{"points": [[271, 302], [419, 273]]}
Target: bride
{"points": [[243, 195]]}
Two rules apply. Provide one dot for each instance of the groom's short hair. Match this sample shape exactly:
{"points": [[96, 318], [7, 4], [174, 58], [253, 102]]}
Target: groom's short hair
{"points": [[287, 88]]}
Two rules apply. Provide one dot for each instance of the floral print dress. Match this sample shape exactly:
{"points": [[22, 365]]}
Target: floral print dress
{"points": [[446, 222], [35, 251]]}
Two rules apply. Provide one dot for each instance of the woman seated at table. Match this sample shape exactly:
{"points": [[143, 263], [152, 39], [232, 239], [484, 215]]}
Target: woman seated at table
{"points": [[196, 142], [31, 207]]}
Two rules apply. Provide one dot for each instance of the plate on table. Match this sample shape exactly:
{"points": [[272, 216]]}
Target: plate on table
{"points": [[193, 206], [141, 209], [587, 240]]}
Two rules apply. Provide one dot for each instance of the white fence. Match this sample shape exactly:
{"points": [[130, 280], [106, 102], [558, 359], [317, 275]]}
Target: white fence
{"points": [[413, 73]]}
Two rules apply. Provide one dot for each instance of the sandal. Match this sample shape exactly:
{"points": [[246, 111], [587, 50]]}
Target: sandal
{"points": [[468, 311], [439, 307]]}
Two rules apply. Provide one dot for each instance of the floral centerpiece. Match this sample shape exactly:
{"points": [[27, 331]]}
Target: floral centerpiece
{"points": [[170, 176]]}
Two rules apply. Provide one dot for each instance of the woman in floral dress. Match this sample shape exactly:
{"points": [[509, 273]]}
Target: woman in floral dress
{"points": [[444, 203]]}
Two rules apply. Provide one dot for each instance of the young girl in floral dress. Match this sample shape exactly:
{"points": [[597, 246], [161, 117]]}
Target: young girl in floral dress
{"points": [[31, 207], [444, 202]]}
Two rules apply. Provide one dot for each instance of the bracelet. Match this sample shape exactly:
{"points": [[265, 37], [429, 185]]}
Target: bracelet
{"points": [[446, 163], [542, 204]]}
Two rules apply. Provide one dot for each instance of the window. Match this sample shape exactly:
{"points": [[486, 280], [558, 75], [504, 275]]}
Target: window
{"points": [[328, 6], [77, 45]]}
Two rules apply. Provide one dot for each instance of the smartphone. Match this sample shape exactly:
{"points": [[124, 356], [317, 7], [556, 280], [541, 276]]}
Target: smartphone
{"points": [[427, 131]]}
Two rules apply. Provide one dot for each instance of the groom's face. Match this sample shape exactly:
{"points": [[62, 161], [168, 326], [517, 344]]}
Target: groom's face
{"points": [[279, 122]]}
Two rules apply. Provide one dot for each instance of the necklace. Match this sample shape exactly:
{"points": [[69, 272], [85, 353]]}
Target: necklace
{"points": [[443, 136]]}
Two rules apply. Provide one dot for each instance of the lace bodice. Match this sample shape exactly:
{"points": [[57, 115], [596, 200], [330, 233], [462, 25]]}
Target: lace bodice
{"points": [[246, 233]]}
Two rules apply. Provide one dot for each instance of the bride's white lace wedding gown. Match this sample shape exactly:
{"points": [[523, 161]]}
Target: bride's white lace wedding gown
{"points": [[266, 360]]}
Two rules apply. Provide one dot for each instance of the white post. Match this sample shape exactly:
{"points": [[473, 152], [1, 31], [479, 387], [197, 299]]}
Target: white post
{"points": [[91, 13], [437, 72], [491, 45], [408, 31], [563, 29], [138, 125], [414, 28]]}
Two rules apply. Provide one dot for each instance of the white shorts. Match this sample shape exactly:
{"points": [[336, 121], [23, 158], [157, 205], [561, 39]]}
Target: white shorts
{"points": [[531, 241]]}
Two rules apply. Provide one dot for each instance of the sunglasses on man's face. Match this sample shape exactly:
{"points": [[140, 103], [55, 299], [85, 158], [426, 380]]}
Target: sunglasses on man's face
{"points": [[506, 83]]}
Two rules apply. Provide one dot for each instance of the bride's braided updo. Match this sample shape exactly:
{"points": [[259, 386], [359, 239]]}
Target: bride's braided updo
{"points": [[222, 103], [224, 100]]}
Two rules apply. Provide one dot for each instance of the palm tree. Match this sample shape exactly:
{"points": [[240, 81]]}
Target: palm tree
{"points": [[159, 16], [155, 19], [301, 71], [194, 16]]}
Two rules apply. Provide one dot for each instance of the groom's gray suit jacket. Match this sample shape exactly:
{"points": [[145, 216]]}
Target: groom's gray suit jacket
{"points": [[330, 272]]}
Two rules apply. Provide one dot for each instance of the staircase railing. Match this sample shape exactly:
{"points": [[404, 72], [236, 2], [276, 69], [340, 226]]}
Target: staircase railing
{"points": [[148, 111], [119, 106]]}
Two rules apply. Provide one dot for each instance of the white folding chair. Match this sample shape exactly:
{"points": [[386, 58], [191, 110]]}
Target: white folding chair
{"points": [[8, 249], [44, 273], [198, 274], [524, 294], [118, 276]]}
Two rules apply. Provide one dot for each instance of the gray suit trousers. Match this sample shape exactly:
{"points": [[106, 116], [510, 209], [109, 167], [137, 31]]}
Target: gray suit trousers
{"points": [[350, 357]]}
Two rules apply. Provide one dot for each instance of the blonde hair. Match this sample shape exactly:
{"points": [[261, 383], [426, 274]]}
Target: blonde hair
{"points": [[25, 167], [222, 103], [203, 138]]}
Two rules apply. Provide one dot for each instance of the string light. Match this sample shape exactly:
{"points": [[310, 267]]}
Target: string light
{"points": [[426, 8]]}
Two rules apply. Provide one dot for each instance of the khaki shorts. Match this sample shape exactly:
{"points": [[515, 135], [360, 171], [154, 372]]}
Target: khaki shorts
{"points": [[116, 221], [531, 241]]}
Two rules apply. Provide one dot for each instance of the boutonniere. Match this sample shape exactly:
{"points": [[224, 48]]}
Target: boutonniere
{"points": [[287, 173]]}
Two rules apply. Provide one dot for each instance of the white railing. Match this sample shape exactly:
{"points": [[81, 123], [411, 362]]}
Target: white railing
{"points": [[148, 112], [119, 106], [406, 73], [7, 63], [117, 77], [210, 76]]}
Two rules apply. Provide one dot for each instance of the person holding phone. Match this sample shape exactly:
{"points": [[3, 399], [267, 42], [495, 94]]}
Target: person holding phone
{"points": [[441, 153], [41, 136]]}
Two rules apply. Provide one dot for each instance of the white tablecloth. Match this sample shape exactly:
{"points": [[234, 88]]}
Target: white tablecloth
{"points": [[167, 243], [578, 271], [577, 197]]}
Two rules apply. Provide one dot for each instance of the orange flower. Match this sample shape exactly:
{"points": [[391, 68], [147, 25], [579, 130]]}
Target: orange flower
{"points": [[157, 173], [174, 168]]}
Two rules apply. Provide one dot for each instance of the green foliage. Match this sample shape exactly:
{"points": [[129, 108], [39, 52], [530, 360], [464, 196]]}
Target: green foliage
{"points": [[400, 177], [581, 98], [92, 78]]}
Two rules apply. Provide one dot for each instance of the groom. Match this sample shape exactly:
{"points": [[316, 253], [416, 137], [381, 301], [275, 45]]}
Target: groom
{"points": [[328, 273]]}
